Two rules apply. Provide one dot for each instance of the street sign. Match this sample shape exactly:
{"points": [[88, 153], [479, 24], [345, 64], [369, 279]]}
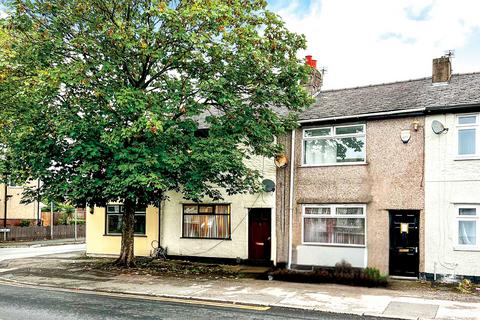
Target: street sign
{"points": [[4, 230]]}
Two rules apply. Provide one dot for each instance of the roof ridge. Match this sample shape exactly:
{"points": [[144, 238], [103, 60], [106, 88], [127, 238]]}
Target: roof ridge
{"points": [[393, 82]]}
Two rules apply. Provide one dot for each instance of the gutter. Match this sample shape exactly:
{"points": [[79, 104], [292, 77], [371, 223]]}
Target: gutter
{"points": [[453, 108], [290, 201], [367, 115]]}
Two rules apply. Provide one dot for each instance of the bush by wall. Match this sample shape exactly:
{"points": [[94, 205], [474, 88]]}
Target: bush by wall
{"points": [[342, 273]]}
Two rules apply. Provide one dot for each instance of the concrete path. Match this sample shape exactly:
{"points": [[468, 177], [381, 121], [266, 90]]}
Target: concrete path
{"points": [[28, 252], [66, 271]]}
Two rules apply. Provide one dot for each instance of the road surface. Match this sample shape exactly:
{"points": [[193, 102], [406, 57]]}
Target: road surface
{"points": [[25, 303], [28, 252]]}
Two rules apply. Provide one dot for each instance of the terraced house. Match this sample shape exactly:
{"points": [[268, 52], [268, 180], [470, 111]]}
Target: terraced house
{"points": [[355, 187], [384, 176]]}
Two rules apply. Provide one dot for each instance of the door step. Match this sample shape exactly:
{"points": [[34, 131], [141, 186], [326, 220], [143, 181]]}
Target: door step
{"points": [[403, 278]]}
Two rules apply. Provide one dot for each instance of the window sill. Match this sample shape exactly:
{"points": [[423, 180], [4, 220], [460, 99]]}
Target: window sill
{"points": [[200, 238], [314, 244], [334, 164], [466, 158], [466, 248], [119, 235]]}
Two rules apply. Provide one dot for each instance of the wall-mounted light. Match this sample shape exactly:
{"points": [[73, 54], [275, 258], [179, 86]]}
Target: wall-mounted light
{"points": [[415, 125], [281, 161]]}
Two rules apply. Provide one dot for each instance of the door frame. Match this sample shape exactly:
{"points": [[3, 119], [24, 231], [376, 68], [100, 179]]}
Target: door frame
{"points": [[272, 229], [390, 220]]}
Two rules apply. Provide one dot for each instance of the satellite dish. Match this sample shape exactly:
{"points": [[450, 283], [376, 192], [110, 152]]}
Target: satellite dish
{"points": [[268, 185], [438, 127]]}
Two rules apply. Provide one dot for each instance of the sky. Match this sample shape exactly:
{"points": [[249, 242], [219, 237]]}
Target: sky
{"points": [[364, 42]]}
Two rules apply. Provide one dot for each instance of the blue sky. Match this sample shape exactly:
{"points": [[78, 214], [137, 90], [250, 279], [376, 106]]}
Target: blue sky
{"points": [[362, 42]]}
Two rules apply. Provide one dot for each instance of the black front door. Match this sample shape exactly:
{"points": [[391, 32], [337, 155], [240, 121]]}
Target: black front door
{"points": [[259, 235], [404, 243]]}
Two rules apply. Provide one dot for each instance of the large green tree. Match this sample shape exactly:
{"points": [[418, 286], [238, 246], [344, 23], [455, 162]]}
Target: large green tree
{"points": [[107, 100]]}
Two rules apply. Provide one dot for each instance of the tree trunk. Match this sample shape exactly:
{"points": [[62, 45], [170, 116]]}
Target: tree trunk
{"points": [[127, 258]]}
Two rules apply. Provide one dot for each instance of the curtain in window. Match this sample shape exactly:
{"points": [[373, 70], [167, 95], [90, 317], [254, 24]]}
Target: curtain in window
{"points": [[320, 151], [335, 230], [467, 232], [206, 226]]}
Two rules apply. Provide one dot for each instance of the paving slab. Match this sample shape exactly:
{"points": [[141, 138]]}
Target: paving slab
{"points": [[414, 310]]}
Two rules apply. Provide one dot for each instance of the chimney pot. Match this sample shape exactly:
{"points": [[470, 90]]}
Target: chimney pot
{"points": [[441, 70], [315, 80]]}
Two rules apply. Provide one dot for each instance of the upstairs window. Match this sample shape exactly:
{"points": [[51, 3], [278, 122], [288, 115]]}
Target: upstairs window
{"points": [[334, 145], [468, 135]]}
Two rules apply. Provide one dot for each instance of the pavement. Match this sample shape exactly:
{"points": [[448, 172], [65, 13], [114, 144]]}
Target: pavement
{"points": [[65, 271]]}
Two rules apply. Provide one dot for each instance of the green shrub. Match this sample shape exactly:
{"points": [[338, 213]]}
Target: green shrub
{"points": [[342, 273], [79, 221], [24, 223]]}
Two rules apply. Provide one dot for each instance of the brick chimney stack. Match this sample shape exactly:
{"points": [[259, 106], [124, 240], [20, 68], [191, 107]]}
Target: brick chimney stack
{"points": [[315, 80], [441, 69]]}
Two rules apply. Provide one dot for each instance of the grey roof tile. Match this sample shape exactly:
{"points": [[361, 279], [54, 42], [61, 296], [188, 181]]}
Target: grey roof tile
{"points": [[396, 96]]}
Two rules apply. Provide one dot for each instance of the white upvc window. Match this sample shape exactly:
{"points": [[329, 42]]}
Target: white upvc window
{"points": [[467, 226], [468, 136], [334, 145], [334, 224]]}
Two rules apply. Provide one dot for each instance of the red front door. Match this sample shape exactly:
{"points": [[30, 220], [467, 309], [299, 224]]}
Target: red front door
{"points": [[259, 234]]}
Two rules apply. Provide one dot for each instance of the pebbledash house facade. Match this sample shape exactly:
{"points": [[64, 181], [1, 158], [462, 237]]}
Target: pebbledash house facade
{"points": [[384, 176]]}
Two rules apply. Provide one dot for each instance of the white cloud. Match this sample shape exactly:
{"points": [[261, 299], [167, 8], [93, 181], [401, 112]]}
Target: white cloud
{"points": [[374, 41]]}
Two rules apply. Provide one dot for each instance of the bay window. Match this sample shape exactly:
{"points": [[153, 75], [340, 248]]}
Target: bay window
{"points": [[114, 220], [468, 231], [468, 136], [334, 145], [206, 221], [334, 224]]}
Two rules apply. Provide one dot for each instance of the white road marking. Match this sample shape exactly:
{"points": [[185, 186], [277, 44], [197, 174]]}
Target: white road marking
{"points": [[19, 253]]}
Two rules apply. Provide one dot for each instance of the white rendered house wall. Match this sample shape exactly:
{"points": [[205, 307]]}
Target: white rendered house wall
{"points": [[452, 182]]}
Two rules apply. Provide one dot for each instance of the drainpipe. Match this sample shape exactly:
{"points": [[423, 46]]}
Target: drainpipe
{"points": [[39, 213], [159, 223], [5, 207], [290, 202]]}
